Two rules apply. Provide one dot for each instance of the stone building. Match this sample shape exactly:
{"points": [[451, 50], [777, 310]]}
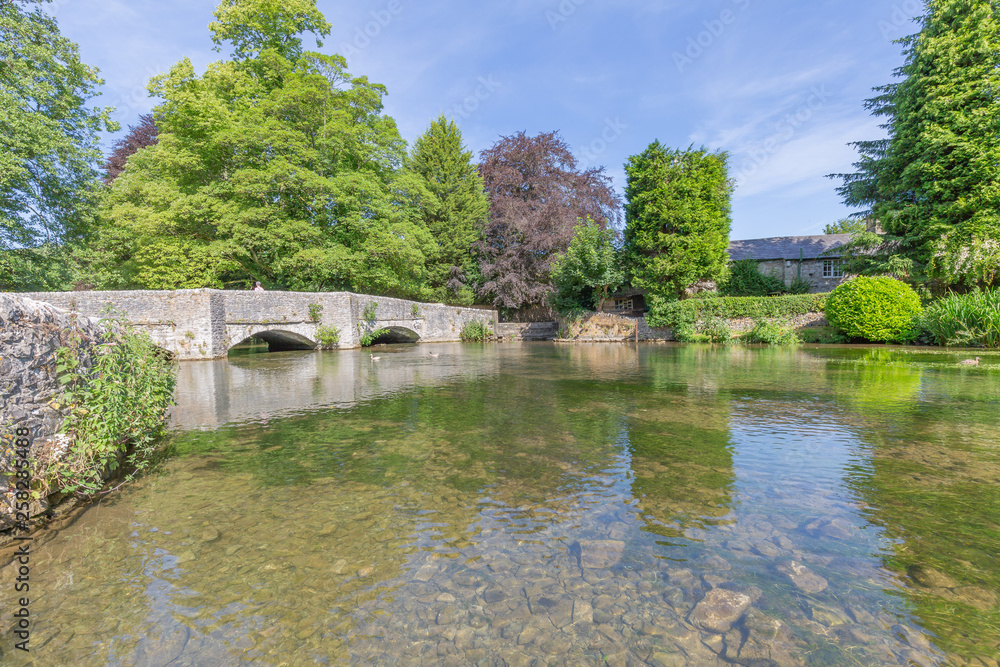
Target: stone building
{"points": [[811, 258]]}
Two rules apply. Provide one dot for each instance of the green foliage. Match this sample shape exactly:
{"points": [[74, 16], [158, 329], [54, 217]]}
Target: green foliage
{"points": [[677, 218], [256, 26], [845, 226], [277, 166], [415, 310], [717, 330], [328, 336], [878, 309], [745, 279], [710, 330], [44, 268], [49, 153], [315, 311], [588, 270], [932, 184], [964, 320], [799, 286], [665, 313], [370, 337], [119, 407], [476, 331], [454, 214], [368, 319], [767, 332]]}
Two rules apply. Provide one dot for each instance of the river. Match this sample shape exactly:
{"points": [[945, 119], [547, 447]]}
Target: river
{"points": [[530, 504]]}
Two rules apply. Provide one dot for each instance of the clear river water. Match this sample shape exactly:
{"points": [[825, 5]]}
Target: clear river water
{"points": [[544, 504]]}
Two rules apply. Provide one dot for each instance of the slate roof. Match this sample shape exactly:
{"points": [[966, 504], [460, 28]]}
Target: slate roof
{"points": [[787, 247]]}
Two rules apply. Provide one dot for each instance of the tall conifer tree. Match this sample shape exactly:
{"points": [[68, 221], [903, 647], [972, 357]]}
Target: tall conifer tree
{"points": [[457, 212], [933, 184]]}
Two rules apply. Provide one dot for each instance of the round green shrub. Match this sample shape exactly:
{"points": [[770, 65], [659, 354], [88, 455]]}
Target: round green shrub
{"points": [[881, 310]]}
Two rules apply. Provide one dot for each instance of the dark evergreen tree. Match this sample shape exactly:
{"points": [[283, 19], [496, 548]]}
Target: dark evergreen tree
{"points": [[457, 212], [677, 218], [932, 184]]}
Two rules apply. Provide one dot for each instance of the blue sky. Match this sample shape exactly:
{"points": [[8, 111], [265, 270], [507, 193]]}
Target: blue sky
{"points": [[779, 84]]}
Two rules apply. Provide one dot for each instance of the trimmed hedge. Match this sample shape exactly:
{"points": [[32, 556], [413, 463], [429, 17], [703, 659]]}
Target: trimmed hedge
{"points": [[664, 313], [879, 309]]}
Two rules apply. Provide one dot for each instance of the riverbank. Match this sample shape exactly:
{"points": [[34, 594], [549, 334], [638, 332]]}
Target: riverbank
{"points": [[84, 403]]}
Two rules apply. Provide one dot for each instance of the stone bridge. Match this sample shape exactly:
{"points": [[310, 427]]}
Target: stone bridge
{"points": [[207, 323]]}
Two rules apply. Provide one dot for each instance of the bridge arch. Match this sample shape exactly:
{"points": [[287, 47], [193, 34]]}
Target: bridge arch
{"points": [[397, 334], [278, 340]]}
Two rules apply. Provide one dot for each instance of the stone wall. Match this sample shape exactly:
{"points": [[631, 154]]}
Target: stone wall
{"points": [[609, 328], [812, 272], [30, 334]]}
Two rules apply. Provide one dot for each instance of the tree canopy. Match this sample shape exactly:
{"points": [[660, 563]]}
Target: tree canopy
{"points": [[933, 182], [139, 136], [279, 166], [677, 218], [455, 214], [845, 226], [48, 135], [588, 270], [537, 194]]}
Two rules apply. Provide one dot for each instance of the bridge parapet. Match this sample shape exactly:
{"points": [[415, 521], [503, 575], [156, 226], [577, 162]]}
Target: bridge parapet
{"points": [[206, 323]]}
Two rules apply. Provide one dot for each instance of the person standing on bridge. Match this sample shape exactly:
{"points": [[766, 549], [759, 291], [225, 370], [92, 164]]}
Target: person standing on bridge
{"points": [[257, 287]]}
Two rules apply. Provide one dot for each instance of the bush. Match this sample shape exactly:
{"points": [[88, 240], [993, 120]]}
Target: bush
{"points": [[366, 339], [717, 330], [119, 408], [745, 279], [328, 336], [878, 309], [771, 333], [315, 311], [964, 320], [799, 286], [476, 331], [663, 313]]}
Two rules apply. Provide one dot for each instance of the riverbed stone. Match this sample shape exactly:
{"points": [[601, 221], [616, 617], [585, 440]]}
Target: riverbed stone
{"points": [[600, 554], [804, 579], [719, 609], [928, 577]]}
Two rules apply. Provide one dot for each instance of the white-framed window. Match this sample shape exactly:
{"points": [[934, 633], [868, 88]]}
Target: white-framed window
{"points": [[833, 268], [623, 304]]}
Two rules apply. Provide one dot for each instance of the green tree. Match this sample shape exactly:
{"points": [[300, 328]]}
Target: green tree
{"points": [[267, 168], [588, 270], [845, 226], [677, 218], [49, 153], [456, 213], [932, 183]]}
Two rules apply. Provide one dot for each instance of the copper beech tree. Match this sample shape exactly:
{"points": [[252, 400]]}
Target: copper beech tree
{"points": [[139, 136], [537, 196]]}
